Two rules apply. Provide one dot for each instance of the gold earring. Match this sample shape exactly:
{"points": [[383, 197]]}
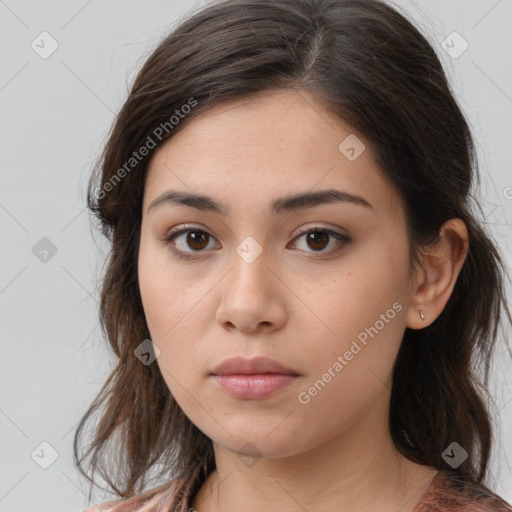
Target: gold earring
{"points": [[422, 315]]}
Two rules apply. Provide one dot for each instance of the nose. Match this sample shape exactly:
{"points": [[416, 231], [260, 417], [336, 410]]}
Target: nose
{"points": [[252, 297]]}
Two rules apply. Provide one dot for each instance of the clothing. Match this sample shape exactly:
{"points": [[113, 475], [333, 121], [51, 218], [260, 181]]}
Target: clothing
{"points": [[450, 492], [447, 492]]}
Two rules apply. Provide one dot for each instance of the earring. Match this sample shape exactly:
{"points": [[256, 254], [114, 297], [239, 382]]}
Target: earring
{"points": [[422, 315]]}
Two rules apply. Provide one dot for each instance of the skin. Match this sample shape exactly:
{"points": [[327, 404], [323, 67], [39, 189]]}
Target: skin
{"points": [[299, 303]]}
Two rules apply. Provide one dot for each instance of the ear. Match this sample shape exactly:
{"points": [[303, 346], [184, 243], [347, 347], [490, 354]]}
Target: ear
{"points": [[439, 269]]}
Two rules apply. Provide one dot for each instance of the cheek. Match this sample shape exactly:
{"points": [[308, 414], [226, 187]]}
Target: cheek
{"points": [[164, 291], [176, 313], [376, 278], [363, 307], [172, 321]]}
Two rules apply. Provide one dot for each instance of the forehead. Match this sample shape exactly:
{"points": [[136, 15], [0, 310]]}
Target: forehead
{"points": [[276, 144]]}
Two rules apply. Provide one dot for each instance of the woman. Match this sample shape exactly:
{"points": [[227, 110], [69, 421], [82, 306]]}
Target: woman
{"points": [[291, 286]]}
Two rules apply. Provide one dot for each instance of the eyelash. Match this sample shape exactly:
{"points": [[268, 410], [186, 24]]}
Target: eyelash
{"points": [[342, 239]]}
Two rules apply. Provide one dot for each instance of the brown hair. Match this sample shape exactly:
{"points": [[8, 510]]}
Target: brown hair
{"points": [[373, 68]]}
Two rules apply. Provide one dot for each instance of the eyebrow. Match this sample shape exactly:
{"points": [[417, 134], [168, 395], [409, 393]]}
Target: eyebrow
{"points": [[294, 202]]}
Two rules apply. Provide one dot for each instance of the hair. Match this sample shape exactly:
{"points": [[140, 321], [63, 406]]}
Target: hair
{"points": [[369, 65]]}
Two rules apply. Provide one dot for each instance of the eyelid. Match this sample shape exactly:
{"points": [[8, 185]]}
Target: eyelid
{"points": [[299, 231], [185, 227], [317, 227]]}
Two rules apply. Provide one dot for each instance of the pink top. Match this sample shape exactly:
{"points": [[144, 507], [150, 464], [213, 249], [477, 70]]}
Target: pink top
{"points": [[448, 492]]}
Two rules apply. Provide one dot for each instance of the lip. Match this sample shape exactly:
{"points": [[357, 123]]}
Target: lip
{"points": [[254, 378], [254, 386], [254, 366]]}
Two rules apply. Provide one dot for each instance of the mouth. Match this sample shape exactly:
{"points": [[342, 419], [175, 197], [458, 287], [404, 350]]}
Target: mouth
{"points": [[255, 378], [257, 365], [254, 386]]}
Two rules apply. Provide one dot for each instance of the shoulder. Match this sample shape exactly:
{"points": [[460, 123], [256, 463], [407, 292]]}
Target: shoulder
{"points": [[451, 491], [104, 507], [162, 496], [132, 504], [97, 508], [124, 505]]}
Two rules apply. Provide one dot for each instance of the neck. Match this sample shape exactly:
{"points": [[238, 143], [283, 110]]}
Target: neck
{"points": [[355, 471]]}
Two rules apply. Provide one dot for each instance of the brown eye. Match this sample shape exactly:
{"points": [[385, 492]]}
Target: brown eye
{"points": [[317, 240], [196, 240], [188, 241]]}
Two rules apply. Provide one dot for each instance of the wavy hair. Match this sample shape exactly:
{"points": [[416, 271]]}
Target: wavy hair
{"points": [[368, 64]]}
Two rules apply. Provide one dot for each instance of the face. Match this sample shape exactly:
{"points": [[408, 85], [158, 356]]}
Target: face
{"points": [[321, 287]]}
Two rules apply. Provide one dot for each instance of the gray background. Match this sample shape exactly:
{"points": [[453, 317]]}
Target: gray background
{"points": [[55, 116]]}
